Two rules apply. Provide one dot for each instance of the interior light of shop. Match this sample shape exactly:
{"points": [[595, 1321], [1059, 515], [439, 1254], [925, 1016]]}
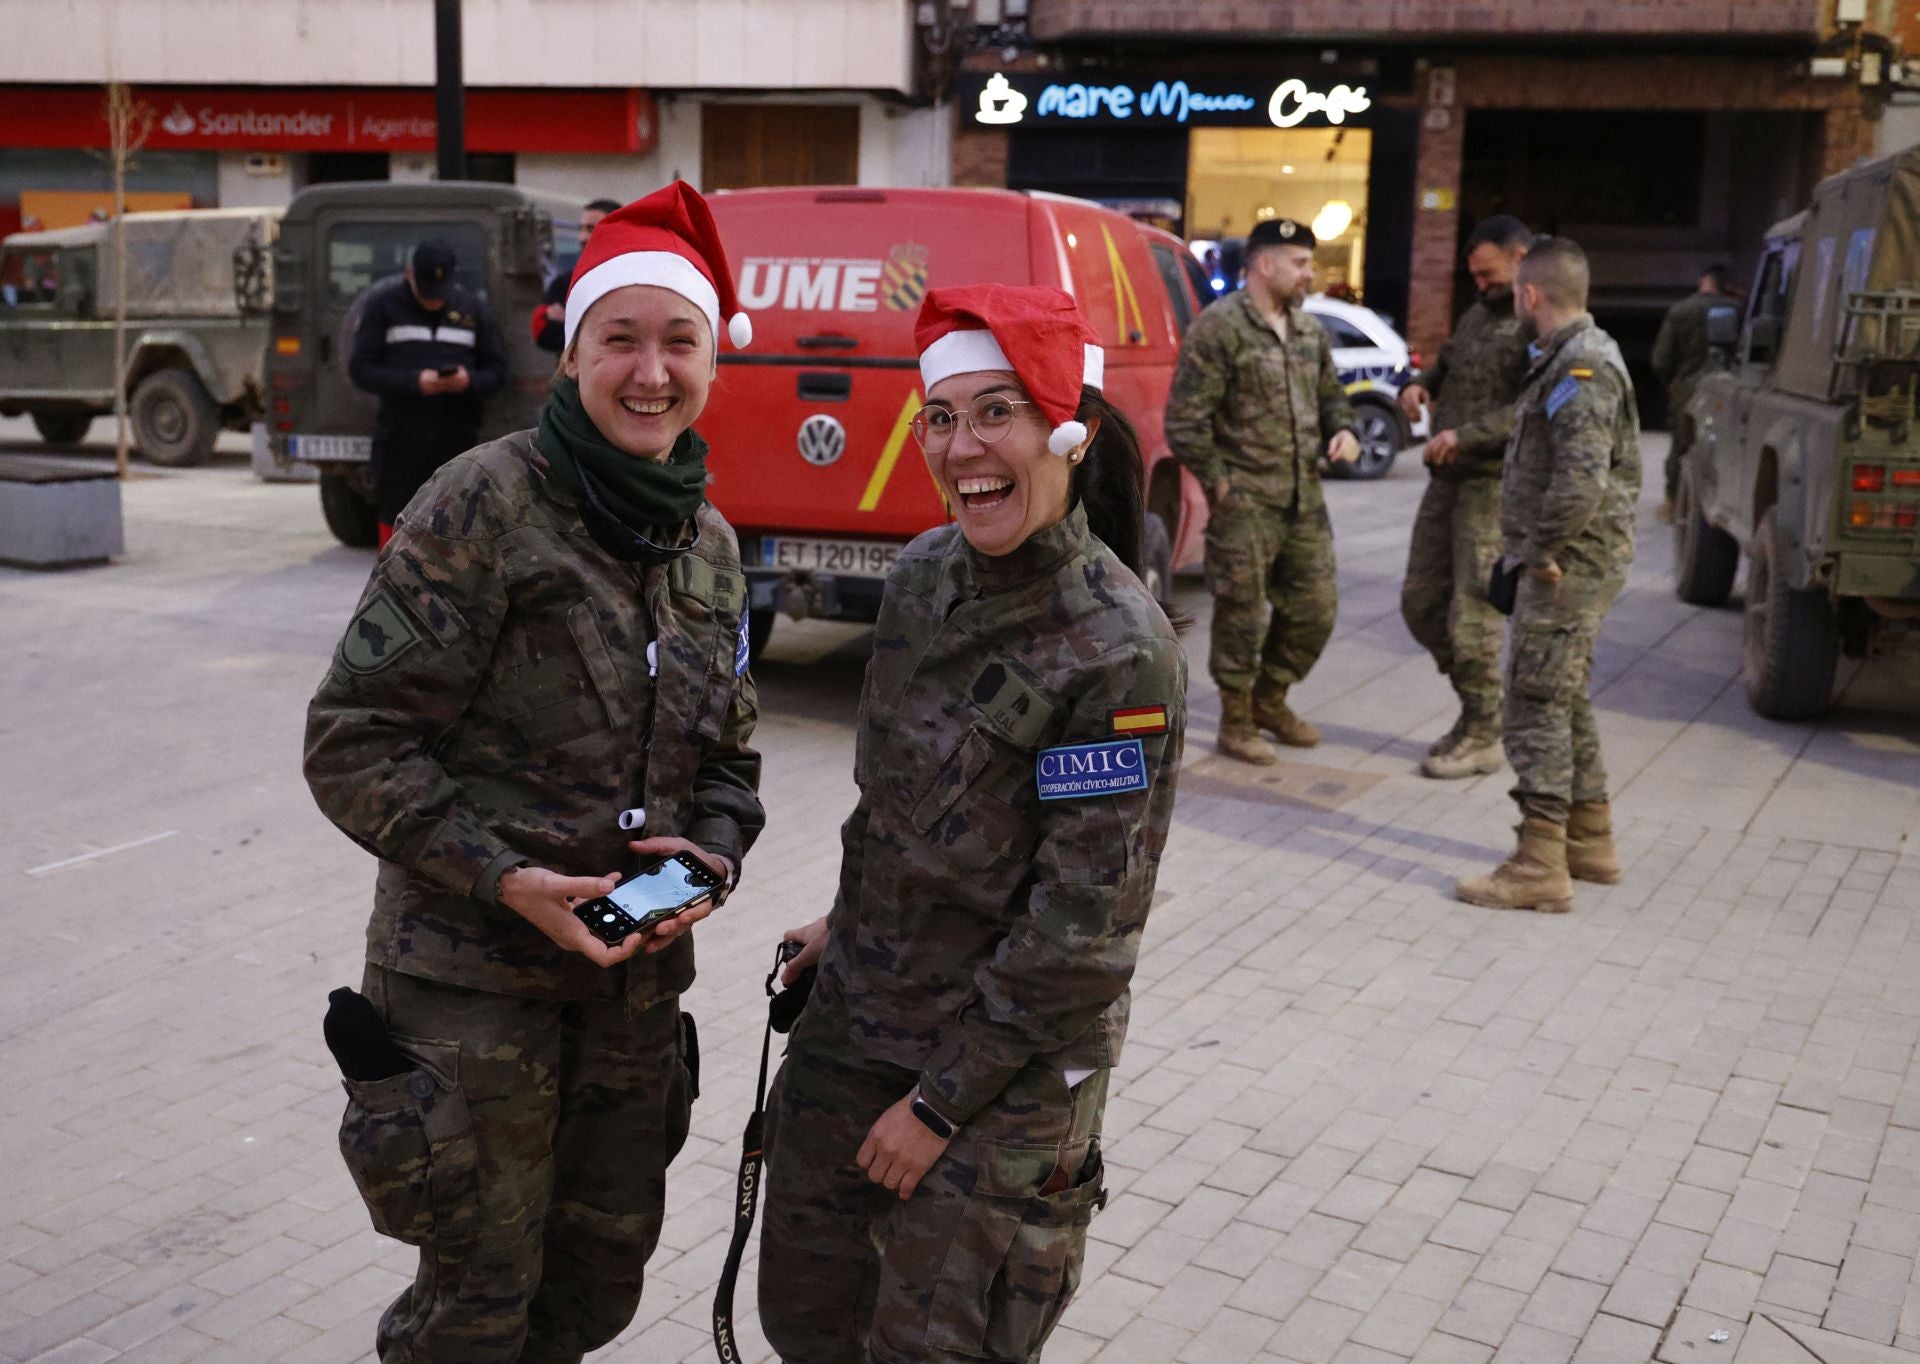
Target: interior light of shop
{"points": [[1264, 212], [1286, 170], [1335, 217]]}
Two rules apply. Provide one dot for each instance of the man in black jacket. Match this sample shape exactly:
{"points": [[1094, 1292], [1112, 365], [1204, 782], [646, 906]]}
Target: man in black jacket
{"points": [[550, 318], [429, 350]]}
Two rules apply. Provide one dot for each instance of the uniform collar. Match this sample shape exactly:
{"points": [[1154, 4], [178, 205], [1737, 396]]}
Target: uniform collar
{"points": [[1258, 318], [1543, 350], [1039, 556]]}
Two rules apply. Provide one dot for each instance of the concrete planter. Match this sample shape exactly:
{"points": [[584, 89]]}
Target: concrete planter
{"points": [[55, 515]]}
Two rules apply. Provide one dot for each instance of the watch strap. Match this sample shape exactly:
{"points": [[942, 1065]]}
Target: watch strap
{"points": [[930, 1118]]}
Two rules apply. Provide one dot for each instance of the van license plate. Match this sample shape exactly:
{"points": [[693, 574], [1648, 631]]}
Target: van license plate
{"points": [[331, 449], [851, 558]]}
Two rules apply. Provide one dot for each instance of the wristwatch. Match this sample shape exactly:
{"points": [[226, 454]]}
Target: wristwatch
{"points": [[929, 1119]]}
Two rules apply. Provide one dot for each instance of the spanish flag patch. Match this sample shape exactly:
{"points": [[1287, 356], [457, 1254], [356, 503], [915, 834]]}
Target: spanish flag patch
{"points": [[1581, 373], [1141, 720]]}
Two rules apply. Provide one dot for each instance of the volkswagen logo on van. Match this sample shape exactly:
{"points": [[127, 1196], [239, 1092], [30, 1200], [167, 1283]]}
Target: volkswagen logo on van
{"points": [[822, 440]]}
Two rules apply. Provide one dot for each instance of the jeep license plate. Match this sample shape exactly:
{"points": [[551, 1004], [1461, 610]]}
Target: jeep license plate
{"points": [[848, 558], [330, 449]]}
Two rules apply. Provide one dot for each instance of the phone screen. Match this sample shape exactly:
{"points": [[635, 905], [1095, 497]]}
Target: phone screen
{"points": [[663, 887]]}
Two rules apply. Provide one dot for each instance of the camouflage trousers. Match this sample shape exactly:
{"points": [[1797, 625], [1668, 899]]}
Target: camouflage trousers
{"points": [[1271, 573], [1548, 726], [1456, 542], [978, 1264], [526, 1157]]}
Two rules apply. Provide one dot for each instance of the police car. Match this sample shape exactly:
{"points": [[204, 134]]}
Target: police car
{"points": [[1374, 364]]}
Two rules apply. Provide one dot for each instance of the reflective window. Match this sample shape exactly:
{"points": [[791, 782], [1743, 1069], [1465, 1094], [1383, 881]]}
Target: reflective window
{"points": [[358, 254]]}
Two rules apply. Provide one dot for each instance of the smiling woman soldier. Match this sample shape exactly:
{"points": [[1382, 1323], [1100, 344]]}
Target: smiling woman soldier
{"points": [[933, 1150], [554, 636]]}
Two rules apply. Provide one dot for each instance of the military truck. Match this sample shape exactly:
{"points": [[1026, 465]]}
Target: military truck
{"points": [[339, 240], [1803, 450], [199, 283]]}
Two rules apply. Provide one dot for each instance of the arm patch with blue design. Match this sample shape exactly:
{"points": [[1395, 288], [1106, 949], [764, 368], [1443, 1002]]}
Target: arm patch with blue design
{"points": [[1075, 771], [1563, 393], [741, 650]]}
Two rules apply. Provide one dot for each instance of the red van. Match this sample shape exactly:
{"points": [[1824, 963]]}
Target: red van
{"points": [[812, 458]]}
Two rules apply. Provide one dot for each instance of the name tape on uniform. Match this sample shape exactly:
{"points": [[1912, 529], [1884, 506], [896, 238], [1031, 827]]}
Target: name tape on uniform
{"points": [[1075, 771]]}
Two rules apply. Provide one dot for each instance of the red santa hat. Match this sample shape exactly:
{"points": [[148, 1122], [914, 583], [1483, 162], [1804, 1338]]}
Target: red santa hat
{"points": [[667, 239], [1035, 331]]}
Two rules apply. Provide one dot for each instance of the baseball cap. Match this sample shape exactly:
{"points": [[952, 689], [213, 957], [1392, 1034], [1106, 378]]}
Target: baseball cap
{"points": [[1280, 232], [433, 262]]}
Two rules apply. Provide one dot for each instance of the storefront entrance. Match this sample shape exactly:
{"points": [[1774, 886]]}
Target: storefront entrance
{"points": [[1237, 177]]}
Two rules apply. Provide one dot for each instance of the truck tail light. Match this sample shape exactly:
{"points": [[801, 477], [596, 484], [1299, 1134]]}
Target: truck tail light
{"points": [[1906, 478], [1906, 515], [284, 426], [286, 345], [1860, 515], [283, 407], [1869, 478], [1884, 515]]}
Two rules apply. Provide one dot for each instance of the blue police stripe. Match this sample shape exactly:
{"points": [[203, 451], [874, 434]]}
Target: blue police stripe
{"points": [[1075, 771], [740, 649], [1563, 393]]}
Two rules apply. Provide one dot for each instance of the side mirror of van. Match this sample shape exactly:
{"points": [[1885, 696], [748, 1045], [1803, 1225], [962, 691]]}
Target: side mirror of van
{"points": [[1723, 326], [526, 241]]}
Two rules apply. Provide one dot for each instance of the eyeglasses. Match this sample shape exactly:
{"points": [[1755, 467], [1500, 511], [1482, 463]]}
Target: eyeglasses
{"points": [[989, 417]]}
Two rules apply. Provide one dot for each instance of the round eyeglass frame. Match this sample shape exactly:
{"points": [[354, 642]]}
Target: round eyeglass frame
{"points": [[991, 435]]}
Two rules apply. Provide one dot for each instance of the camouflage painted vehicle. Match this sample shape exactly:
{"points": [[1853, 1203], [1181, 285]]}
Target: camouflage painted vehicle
{"points": [[198, 289], [1802, 448], [337, 241]]}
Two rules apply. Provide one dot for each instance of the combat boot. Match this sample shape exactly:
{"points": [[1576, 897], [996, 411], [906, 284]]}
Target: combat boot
{"points": [[1591, 855], [1239, 739], [1534, 877], [1475, 752], [1271, 713], [1446, 741]]}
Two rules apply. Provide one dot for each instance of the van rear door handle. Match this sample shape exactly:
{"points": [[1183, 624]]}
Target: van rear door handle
{"points": [[825, 387], [828, 341]]}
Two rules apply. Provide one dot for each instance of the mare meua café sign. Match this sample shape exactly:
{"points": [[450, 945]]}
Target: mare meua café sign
{"points": [[1001, 100]]}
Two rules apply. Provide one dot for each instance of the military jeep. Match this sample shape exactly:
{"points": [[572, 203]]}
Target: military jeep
{"points": [[198, 284], [339, 240], [1802, 450]]}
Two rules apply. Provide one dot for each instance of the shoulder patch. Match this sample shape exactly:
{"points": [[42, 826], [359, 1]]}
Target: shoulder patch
{"points": [[1076, 771], [1140, 720], [741, 650], [1563, 393], [378, 635]]}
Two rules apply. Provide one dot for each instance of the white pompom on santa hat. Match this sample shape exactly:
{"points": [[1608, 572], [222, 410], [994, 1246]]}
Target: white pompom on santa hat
{"points": [[669, 240], [1035, 331]]}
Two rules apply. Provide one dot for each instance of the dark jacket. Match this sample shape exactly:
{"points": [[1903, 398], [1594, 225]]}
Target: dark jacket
{"points": [[398, 339]]}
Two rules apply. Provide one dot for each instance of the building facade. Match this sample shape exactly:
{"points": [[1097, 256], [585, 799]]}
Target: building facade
{"points": [[1664, 135], [251, 102]]}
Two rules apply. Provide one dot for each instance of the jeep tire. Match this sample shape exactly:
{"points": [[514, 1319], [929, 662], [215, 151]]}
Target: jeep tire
{"points": [[1156, 561], [350, 514], [62, 428], [174, 421], [1792, 638], [1705, 558]]}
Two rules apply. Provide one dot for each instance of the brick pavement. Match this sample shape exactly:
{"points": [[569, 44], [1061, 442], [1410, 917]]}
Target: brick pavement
{"points": [[1357, 1123]]}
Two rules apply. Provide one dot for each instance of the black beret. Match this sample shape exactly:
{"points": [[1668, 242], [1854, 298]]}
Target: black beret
{"points": [[1280, 232]]}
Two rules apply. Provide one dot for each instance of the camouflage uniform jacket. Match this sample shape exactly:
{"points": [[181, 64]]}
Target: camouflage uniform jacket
{"points": [[978, 927], [1474, 380], [491, 704], [1249, 409], [1680, 352], [1573, 465]]}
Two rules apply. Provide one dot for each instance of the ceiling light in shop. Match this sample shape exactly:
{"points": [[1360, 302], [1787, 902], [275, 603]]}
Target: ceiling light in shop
{"points": [[1286, 170], [1264, 212], [1335, 217]]}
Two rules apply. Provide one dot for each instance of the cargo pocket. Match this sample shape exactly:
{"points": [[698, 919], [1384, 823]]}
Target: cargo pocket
{"points": [[970, 824], [1017, 1254], [683, 1087], [408, 1143], [1541, 662]]}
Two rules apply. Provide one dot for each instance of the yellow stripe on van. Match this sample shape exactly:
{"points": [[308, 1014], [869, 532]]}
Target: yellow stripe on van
{"points": [[890, 453], [1124, 299]]}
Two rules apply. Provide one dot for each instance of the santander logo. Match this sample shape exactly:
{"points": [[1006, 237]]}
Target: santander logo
{"points": [[179, 122]]}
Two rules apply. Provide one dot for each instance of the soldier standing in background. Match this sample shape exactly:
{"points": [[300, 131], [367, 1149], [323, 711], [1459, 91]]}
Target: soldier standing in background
{"points": [[1680, 356], [1255, 403], [1456, 535], [549, 320], [1566, 513]]}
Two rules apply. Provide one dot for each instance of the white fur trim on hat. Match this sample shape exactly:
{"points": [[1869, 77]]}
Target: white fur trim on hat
{"points": [[968, 352], [664, 269], [1066, 436], [1093, 371]]}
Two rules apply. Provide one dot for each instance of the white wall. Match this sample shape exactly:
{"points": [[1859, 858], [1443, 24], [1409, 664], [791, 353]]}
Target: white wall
{"points": [[1899, 129], [239, 188], [665, 44]]}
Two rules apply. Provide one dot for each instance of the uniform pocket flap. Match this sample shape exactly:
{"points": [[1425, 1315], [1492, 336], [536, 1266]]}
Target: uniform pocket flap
{"points": [[1009, 1171], [584, 625], [961, 768]]}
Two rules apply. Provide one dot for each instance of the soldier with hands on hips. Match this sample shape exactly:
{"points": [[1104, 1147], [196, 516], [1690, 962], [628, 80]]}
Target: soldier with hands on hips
{"points": [[555, 635], [1472, 385], [933, 1149], [1572, 478], [1255, 404]]}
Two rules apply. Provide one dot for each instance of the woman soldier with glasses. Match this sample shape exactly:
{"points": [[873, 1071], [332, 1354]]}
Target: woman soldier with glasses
{"points": [[933, 1143]]}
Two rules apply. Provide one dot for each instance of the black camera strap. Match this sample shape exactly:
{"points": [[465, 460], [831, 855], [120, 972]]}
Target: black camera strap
{"points": [[783, 1010]]}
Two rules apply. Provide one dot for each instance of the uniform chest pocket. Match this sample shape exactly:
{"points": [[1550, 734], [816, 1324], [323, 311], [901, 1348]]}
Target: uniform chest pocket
{"points": [[556, 688], [968, 812]]}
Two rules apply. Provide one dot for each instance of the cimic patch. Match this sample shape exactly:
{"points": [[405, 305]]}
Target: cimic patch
{"points": [[1077, 771]]}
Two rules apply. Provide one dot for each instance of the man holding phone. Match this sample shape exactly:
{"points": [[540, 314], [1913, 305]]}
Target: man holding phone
{"points": [[429, 350]]}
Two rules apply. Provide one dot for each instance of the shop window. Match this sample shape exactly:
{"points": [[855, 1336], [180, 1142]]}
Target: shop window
{"points": [[744, 146], [360, 254], [1237, 177]]}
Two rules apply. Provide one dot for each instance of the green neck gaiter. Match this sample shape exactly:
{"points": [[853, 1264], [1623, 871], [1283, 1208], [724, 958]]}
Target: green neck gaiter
{"points": [[643, 494]]}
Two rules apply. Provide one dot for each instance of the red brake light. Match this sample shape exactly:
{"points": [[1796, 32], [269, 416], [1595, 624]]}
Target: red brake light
{"points": [[1906, 478], [1906, 515], [1414, 361], [1869, 478]]}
